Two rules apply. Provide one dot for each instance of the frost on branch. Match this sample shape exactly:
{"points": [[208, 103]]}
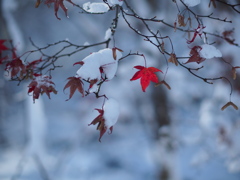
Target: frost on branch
{"points": [[41, 84], [107, 117]]}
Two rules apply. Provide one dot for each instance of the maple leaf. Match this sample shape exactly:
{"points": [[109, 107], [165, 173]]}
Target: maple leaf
{"points": [[228, 36], [2, 47], [34, 63], [146, 75], [74, 84], [101, 123], [230, 104], [195, 56], [16, 66], [58, 3], [107, 117], [40, 85]]}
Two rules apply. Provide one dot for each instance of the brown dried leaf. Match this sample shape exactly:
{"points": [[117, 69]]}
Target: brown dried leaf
{"points": [[234, 72], [114, 52], [228, 36], [230, 104], [173, 59], [38, 3], [195, 56], [74, 84], [164, 83], [181, 21], [213, 3], [162, 46]]}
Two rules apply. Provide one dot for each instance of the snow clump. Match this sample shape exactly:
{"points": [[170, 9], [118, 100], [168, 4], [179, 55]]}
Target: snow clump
{"points": [[99, 62], [111, 112], [209, 51], [95, 7], [191, 3]]}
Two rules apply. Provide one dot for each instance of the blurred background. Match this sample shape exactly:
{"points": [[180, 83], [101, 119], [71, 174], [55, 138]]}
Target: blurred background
{"points": [[177, 134]]}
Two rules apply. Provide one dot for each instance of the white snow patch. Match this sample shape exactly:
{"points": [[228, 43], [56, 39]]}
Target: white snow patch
{"points": [[90, 70], [115, 2], [111, 112], [43, 80], [191, 3], [108, 34], [86, 43], [95, 7], [209, 51], [93, 89]]}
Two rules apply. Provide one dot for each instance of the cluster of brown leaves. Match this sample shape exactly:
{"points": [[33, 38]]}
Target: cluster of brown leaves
{"points": [[40, 85]]}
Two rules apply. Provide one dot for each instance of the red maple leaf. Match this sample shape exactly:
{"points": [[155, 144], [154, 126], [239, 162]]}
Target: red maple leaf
{"points": [[41, 84], [146, 75], [195, 56], [101, 124], [74, 84], [58, 3], [33, 64], [2, 47], [15, 66]]}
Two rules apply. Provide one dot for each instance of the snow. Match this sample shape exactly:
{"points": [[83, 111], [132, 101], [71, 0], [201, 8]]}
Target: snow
{"points": [[43, 80], [115, 2], [95, 7], [192, 3], [90, 70], [111, 112], [209, 51], [108, 34]]}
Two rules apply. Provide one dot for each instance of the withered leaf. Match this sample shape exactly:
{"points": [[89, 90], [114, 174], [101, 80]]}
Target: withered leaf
{"points": [[173, 59], [164, 83], [181, 21], [74, 84], [234, 72], [230, 104]]}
